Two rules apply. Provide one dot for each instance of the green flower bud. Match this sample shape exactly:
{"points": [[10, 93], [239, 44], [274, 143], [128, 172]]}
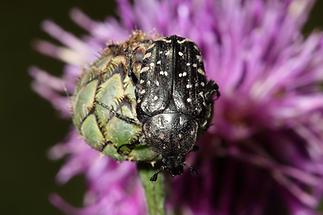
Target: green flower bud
{"points": [[104, 103]]}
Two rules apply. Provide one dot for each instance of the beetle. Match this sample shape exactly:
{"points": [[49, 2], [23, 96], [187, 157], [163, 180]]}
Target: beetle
{"points": [[174, 100]]}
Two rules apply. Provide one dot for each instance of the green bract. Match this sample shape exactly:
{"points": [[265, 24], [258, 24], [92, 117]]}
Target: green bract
{"points": [[104, 103]]}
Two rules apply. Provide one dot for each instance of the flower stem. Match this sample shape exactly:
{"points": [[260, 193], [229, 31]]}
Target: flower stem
{"points": [[154, 190]]}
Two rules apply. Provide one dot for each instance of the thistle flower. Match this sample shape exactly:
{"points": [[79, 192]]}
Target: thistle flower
{"points": [[264, 153]]}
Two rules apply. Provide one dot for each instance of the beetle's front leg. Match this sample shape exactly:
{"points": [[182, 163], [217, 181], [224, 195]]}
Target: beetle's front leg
{"points": [[119, 116]]}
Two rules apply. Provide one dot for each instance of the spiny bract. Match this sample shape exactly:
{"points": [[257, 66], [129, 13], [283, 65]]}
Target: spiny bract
{"points": [[104, 103]]}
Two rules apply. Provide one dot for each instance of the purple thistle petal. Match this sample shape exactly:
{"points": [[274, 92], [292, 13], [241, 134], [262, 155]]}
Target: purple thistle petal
{"points": [[104, 176]]}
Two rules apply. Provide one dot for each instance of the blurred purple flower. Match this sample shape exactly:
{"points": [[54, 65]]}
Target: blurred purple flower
{"points": [[265, 153]]}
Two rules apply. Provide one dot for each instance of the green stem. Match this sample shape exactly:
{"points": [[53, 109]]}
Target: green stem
{"points": [[154, 190]]}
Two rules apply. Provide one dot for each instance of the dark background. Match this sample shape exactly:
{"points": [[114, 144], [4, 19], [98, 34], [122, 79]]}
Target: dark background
{"points": [[29, 126]]}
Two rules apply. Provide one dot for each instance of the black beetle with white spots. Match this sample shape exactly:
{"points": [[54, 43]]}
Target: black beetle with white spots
{"points": [[174, 100]]}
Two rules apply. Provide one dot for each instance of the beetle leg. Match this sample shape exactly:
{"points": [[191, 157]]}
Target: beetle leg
{"points": [[212, 89], [133, 77], [155, 176], [125, 118], [193, 171], [195, 148], [120, 116]]}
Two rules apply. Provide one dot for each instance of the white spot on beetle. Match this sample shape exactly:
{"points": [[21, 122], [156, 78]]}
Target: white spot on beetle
{"points": [[142, 81], [145, 69], [194, 65], [152, 64], [199, 58], [151, 46], [184, 74], [181, 120], [199, 70], [202, 84], [143, 91], [189, 100], [165, 73], [166, 41], [157, 83], [181, 41], [155, 98], [188, 64], [147, 55], [188, 86], [204, 123], [180, 54], [160, 121], [160, 52], [166, 53], [161, 72], [148, 82], [179, 135], [159, 62], [161, 136], [180, 75]]}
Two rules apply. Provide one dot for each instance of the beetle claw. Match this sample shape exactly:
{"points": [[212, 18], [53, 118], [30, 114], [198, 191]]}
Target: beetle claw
{"points": [[154, 177], [195, 148], [193, 171]]}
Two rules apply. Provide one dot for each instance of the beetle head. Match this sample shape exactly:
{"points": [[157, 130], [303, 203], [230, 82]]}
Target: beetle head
{"points": [[174, 164]]}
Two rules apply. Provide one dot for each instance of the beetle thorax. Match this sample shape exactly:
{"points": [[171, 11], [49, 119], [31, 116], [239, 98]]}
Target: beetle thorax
{"points": [[170, 133]]}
